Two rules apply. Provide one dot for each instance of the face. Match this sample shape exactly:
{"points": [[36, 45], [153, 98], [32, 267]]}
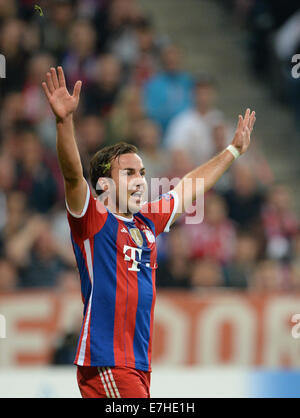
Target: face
{"points": [[280, 197], [171, 59], [82, 38], [128, 175], [205, 96], [148, 135], [215, 210], [108, 72]]}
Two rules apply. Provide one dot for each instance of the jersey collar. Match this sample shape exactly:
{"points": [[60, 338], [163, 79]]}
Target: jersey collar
{"points": [[122, 218]]}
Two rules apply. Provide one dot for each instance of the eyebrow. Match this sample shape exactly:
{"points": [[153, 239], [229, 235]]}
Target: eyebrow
{"points": [[133, 169]]}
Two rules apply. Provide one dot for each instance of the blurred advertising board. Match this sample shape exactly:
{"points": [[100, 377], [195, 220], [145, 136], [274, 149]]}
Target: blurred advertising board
{"points": [[216, 328]]}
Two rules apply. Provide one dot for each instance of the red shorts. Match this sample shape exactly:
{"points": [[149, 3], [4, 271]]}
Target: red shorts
{"points": [[113, 382]]}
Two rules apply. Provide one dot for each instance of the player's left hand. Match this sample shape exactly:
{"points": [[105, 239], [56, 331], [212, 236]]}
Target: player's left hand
{"points": [[242, 136]]}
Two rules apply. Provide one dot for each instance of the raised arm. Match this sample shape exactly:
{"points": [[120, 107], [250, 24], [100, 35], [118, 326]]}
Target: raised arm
{"points": [[63, 106], [212, 170]]}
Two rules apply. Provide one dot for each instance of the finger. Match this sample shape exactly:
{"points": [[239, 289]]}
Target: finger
{"points": [[46, 90], [61, 77], [246, 118], [252, 121], [240, 123], [247, 130], [50, 82], [77, 89], [54, 78]]}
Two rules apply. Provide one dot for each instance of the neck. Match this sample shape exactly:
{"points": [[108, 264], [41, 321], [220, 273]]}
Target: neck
{"points": [[113, 208], [202, 110], [124, 216]]}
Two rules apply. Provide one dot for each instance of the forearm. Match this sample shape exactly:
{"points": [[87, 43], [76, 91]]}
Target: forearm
{"points": [[188, 188], [210, 171], [67, 150]]}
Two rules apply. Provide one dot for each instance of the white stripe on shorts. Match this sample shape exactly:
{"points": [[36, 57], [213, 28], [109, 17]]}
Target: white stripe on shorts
{"points": [[105, 374], [113, 382], [103, 382]]}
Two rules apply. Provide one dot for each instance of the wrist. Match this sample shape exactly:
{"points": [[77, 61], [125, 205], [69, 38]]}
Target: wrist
{"points": [[65, 119], [233, 150]]}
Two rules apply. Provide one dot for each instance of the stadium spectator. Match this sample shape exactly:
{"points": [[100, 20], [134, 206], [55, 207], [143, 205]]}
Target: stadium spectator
{"points": [[36, 253], [238, 271], [206, 273], [244, 200], [65, 349], [154, 158], [80, 59], [170, 91], [55, 27], [267, 277], [280, 222], [35, 110], [192, 131], [286, 46], [12, 113], [174, 271], [67, 282], [128, 111], [179, 163], [147, 61], [8, 9], [122, 18], [272, 40], [15, 214], [295, 248], [7, 179], [16, 56], [215, 236], [34, 175], [294, 278], [100, 96], [8, 276], [91, 136]]}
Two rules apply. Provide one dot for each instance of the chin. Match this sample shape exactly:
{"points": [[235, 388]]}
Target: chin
{"points": [[134, 207]]}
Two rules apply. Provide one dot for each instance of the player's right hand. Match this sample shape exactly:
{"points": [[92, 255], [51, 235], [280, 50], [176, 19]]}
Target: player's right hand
{"points": [[62, 103]]}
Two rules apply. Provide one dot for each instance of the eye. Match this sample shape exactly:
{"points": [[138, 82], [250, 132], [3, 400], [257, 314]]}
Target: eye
{"points": [[128, 172]]}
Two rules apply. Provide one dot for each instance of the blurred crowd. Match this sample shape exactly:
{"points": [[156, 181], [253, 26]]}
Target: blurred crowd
{"points": [[135, 89], [273, 39]]}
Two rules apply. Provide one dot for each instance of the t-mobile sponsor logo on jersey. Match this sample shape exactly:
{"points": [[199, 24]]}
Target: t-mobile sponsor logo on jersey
{"points": [[130, 254]]}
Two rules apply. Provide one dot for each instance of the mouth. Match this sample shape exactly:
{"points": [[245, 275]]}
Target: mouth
{"points": [[137, 196]]}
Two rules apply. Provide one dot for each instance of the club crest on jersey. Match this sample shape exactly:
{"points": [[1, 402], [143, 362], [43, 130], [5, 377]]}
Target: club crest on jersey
{"points": [[136, 236], [149, 235]]}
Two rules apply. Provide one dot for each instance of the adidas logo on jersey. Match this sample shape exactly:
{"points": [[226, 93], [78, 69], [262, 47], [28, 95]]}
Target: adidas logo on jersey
{"points": [[124, 230]]}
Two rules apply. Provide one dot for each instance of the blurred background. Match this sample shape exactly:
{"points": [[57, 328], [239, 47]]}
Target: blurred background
{"points": [[170, 77]]}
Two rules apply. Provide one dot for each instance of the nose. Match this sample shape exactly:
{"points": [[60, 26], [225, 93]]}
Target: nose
{"points": [[138, 182], [140, 178]]}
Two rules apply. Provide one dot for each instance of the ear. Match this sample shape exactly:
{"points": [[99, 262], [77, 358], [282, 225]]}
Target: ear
{"points": [[102, 184]]}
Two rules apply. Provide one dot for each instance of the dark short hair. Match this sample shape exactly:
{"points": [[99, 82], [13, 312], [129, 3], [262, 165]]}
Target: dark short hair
{"points": [[100, 165], [205, 79]]}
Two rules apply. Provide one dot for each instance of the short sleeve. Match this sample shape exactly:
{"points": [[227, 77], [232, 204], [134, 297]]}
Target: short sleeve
{"points": [[91, 219], [161, 212]]}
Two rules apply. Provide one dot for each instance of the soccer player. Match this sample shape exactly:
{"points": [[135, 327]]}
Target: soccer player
{"points": [[113, 238]]}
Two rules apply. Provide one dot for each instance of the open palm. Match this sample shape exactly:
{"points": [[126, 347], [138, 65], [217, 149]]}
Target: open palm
{"points": [[62, 103], [242, 136]]}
